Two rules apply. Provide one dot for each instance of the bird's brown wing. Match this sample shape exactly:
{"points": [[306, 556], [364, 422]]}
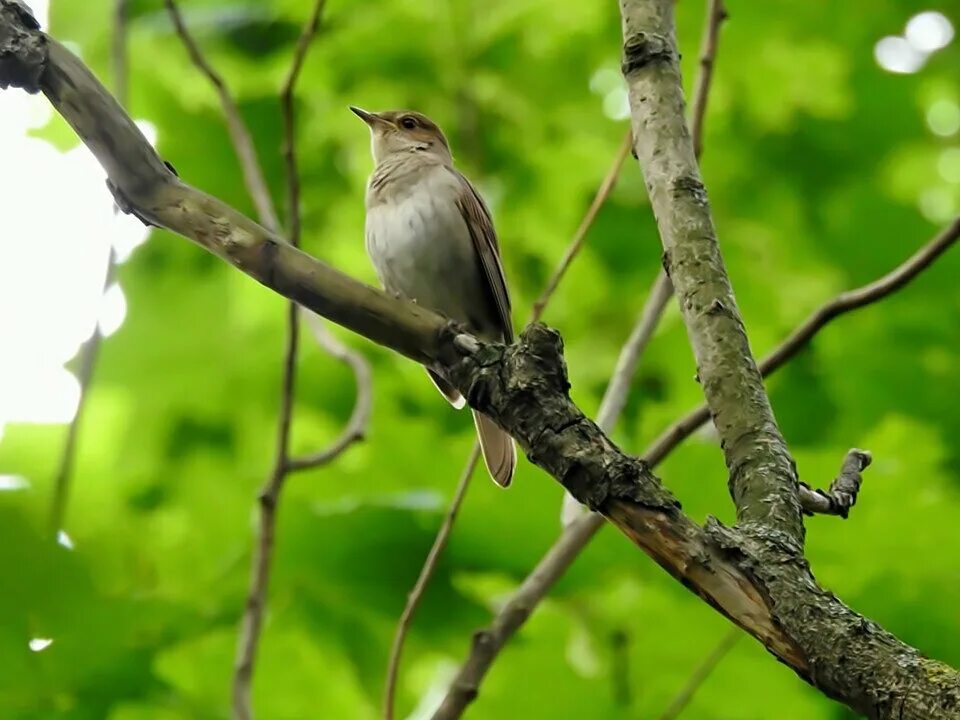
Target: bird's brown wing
{"points": [[480, 225]]}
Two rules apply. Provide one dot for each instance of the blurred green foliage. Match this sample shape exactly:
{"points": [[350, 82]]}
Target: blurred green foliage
{"points": [[817, 162]]}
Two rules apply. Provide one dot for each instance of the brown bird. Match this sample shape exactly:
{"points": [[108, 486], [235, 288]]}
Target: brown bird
{"points": [[431, 240]]}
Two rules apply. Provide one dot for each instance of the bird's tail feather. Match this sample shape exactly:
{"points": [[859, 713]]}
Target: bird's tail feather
{"points": [[499, 453]]}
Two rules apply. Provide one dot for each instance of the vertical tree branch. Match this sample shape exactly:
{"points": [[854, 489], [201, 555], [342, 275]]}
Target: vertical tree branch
{"points": [[763, 479], [716, 14], [252, 624], [89, 352]]}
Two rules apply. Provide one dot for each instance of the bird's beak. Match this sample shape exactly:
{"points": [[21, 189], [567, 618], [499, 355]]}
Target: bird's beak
{"points": [[368, 117]]}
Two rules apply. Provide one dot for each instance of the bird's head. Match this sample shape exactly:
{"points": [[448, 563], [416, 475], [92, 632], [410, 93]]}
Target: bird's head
{"points": [[403, 131]]}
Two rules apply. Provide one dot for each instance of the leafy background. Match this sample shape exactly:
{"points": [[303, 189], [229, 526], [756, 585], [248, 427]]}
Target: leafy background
{"points": [[823, 173]]}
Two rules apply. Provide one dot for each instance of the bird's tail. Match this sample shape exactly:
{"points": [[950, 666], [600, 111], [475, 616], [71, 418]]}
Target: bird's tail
{"points": [[499, 453]]}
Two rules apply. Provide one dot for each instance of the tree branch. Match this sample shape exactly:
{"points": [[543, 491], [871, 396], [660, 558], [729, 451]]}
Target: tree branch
{"points": [[700, 674], [423, 579], [758, 580], [603, 192], [262, 560], [239, 134], [762, 477], [716, 14]]}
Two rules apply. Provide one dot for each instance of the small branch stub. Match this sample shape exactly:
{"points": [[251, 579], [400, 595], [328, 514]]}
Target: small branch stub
{"points": [[642, 49], [843, 491]]}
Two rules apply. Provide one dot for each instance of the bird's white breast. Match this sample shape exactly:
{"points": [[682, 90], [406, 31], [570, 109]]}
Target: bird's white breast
{"points": [[419, 244]]}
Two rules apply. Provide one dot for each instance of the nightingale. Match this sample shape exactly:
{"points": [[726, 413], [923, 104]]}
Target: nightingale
{"points": [[430, 238]]}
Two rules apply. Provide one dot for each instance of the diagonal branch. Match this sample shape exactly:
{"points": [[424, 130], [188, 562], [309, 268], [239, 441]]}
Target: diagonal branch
{"points": [[758, 581], [423, 579], [700, 674], [576, 243]]}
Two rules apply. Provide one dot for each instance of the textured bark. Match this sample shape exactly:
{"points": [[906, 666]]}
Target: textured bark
{"points": [[755, 575], [763, 481]]}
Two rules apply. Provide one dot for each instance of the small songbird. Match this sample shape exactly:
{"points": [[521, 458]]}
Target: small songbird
{"points": [[431, 239]]}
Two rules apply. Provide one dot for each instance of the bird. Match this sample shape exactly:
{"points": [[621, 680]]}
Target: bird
{"points": [[431, 239]]}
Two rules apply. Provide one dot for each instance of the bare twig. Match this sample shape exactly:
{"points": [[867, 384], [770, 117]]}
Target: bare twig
{"points": [[618, 389], [716, 14], [283, 464], [239, 133], [701, 673], [119, 58], [423, 579], [843, 491], [603, 192], [842, 304], [89, 351], [356, 426], [269, 497], [488, 641]]}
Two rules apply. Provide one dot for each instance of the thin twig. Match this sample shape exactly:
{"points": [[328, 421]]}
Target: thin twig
{"points": [[701, 673], [716, 14], [603, 192], [89, 351], [618, 389], [260, 195], [842, 304], [356, 426], [239, 133], [269, 497], [423, 579]]}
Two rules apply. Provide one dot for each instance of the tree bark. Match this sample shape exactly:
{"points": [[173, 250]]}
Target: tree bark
{"points": [[755, 575]]}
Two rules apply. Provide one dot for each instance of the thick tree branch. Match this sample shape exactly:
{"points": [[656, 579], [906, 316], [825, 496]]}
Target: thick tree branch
{"points": [[762, 477], [756, 579]]}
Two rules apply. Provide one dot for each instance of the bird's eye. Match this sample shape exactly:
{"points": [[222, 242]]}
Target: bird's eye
{"points": [[408, 122]]}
